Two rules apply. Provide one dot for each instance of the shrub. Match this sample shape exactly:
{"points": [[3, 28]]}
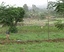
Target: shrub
{"points": [[59, 25], [13, 29]]}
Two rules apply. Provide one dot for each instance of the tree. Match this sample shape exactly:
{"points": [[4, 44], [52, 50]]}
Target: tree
{"points": [[26, 10], [56, 8], [50, 5], [10, 16], [25, 7], [35, 9], [59, 6], [60, 9]]}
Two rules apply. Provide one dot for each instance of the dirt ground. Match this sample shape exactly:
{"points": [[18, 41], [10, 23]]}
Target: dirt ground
{"points": [[4, 41]]}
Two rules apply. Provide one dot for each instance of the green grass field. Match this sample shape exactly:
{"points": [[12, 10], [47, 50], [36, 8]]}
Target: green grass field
{"points": [[36, 47], [33, 33]]}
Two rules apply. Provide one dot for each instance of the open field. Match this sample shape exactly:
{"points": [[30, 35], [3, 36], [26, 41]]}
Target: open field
{"points": [[32, 33], [36, 47], [32, 26]]}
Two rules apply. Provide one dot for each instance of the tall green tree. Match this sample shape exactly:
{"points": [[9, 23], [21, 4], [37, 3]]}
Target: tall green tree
{"points": [[10, 16]]}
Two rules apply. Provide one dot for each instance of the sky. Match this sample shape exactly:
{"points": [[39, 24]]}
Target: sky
{"points": [[28, 2]]}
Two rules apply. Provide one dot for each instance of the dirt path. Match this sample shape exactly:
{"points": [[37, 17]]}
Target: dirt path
{"points": [[4, 41]]}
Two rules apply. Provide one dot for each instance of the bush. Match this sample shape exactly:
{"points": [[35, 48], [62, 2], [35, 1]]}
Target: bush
{"points": [[13, 29], [59, 25]]}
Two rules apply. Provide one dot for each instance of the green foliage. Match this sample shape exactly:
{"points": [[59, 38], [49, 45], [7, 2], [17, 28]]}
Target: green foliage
{"points": [[59, 25], [13, 29], [10, 15], [50, 5], [59, 6]]}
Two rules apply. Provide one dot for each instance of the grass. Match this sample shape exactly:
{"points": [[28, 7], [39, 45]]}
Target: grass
{"points": [[36, 47], [33, 33]]}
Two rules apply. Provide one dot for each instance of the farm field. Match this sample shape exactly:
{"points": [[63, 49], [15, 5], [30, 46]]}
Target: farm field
{"points": [[32, 26], [35, 47], [32, 33]]}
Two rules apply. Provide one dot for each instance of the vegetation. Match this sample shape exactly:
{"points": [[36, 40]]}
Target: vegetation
{"points": [[33, 33], [59, 6], [10, 15], [59, 24], [35, 28], [36, 47]]}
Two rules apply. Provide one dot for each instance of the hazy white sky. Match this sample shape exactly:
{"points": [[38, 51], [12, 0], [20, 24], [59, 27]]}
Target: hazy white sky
{"points": [[28, 2]]}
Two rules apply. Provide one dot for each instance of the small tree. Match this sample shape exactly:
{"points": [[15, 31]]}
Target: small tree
{"points": [[60, 7], [10, 15]]}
